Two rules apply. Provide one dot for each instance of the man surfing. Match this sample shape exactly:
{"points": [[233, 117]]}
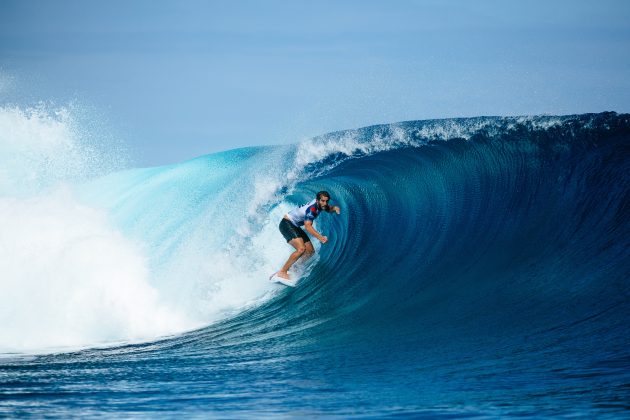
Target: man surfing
{"points": [[293, 233]]}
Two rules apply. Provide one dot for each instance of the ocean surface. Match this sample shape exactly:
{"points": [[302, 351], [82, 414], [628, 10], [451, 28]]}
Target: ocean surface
{"points": [[479, 268]]}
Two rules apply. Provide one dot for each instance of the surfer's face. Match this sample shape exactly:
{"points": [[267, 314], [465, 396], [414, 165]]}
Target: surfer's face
{"points": [[322, 203]]}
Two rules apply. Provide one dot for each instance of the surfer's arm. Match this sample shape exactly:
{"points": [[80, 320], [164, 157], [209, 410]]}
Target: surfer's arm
{"points": [[333, 209], [308, 225]]}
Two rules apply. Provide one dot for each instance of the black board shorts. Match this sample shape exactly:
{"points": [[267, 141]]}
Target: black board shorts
{"points": [[290, 231]]}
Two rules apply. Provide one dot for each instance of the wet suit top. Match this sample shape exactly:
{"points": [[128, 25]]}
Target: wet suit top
{"points": [[308, 211]]}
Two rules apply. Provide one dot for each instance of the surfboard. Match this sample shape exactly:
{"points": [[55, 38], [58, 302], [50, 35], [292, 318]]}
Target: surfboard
{"points": [[275, 279]]}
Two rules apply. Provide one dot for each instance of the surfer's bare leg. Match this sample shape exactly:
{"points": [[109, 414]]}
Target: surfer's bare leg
{"points": [[309, 251], [300, 249], [306, 256]]}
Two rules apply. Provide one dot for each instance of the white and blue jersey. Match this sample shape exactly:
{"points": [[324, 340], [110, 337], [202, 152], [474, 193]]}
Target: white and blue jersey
{"points": [[308, 211]]}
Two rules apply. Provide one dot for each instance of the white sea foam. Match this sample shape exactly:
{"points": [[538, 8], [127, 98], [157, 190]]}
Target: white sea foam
{"points": [[68, 277], [355, 143]]}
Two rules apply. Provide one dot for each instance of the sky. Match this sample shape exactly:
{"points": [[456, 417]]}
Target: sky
{"points": [[179, 79]]}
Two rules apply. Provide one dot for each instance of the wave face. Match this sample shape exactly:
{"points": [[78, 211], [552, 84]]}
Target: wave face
{"points": [[479, 268]]}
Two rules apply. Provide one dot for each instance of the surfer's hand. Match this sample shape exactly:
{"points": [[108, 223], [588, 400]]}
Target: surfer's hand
{"points": [[337, 210], [323, 239]]}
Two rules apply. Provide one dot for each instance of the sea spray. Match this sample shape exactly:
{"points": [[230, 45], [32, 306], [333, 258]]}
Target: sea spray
{"points": [[69, 277]]}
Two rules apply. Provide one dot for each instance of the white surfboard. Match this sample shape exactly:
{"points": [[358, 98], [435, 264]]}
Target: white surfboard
{"points": [[275, 279]]}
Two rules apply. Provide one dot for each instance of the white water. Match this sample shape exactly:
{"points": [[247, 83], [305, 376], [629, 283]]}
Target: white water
{"points": [[68, 277]]}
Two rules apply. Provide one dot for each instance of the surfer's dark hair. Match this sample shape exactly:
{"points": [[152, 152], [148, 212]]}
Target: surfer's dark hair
{"points": [[323, 194]]}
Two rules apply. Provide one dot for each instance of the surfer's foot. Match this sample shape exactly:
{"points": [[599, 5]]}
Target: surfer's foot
{"points": [[283, 274]]}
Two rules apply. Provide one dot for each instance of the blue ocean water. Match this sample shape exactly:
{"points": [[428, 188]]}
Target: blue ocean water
{"points": [[479, 268]]}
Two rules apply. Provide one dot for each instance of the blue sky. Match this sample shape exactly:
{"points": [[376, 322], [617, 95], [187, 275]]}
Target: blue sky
{"points": [[176, 80]]}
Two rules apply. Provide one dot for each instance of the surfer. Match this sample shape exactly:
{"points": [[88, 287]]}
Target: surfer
{"points": [[293, 233]]}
